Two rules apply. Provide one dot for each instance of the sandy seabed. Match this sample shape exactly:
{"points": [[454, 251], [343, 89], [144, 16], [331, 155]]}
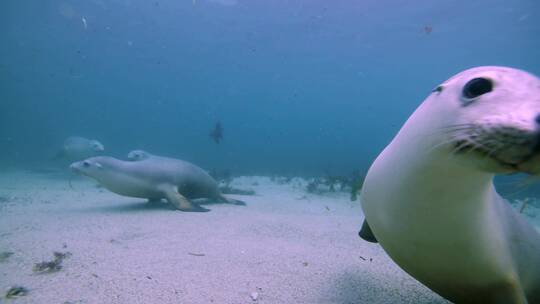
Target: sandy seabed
{"points": [[285, 246]]}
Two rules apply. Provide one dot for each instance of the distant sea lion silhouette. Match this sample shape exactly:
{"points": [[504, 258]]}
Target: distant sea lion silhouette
{"points": [[429, 198], [136, 155], [155, 179], [78, 148], [217, 133]]}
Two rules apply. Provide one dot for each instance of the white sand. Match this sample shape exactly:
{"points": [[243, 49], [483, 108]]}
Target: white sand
{"points": [[286, 246]]}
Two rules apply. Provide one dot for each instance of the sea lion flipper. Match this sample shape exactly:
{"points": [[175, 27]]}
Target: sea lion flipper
{"points": [[182, 203], [231, 201], [366, 234], [154, 200]]}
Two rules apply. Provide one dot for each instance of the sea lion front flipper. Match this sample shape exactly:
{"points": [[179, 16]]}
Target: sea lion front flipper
{"points": [[181, 203], [154, 200], [366, 234]]}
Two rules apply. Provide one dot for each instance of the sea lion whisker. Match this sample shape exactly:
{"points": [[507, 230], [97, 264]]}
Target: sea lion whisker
{"points": [[459, 127], [452, 130], [460, 144], [441, 144]]}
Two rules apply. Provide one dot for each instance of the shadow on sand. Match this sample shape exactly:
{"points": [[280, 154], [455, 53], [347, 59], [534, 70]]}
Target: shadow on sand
{"points": [[143, 206], [365, 287], [53, 173], [137, 206]]}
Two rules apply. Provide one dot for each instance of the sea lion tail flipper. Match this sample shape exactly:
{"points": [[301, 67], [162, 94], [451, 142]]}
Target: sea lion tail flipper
{"points": [[181, 203], [231, 201], [366, 234]]}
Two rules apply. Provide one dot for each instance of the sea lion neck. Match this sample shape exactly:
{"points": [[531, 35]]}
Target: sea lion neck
{"points": [[433, 172], [419, 161]]}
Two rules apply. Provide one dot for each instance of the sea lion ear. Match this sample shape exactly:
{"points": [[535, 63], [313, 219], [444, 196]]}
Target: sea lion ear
{"points": [[366, 234], [99, 165]]}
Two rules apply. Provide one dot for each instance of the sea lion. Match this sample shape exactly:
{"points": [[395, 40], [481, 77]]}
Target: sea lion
{"points": [[217, 133], [137, 155], [155, 179], [429, 198], [78, 148]]}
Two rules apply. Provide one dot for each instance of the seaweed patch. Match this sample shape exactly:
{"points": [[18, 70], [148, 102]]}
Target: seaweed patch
{"points": [[51, 266], [16, 292]]}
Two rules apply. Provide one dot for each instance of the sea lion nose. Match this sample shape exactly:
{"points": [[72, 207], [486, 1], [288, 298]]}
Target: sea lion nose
{"points": [[73, 167]]}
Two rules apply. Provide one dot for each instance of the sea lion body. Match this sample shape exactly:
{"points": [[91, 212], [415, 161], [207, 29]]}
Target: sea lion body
{"points": [[429, 198], [176, 181], [179, 169]]}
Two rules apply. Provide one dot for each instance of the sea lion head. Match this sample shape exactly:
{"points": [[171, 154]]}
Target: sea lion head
{"points": [[92, 167], [136, 155], [493, 119], [97, 146]]}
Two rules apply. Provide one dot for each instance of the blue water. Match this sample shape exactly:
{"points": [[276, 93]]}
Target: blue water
{"points": [[307, 88], [301, 87]]}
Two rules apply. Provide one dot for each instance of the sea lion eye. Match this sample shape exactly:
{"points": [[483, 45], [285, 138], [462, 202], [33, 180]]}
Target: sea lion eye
{"points": [[476, 87], [86, 164], [438, 89]]}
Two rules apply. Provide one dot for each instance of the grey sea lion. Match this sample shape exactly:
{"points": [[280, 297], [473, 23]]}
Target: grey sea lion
{"points": [[429, 198], [79, 148], [176, 181], [136, 155]]}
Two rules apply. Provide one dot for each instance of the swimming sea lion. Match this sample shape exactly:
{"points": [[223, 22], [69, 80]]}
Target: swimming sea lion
{"points": [[78, 148], [176, 181], [429, 198], [136, 155]]}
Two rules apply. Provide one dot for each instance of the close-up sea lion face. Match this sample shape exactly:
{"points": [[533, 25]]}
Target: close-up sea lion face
{"points": [[495, 123]]}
